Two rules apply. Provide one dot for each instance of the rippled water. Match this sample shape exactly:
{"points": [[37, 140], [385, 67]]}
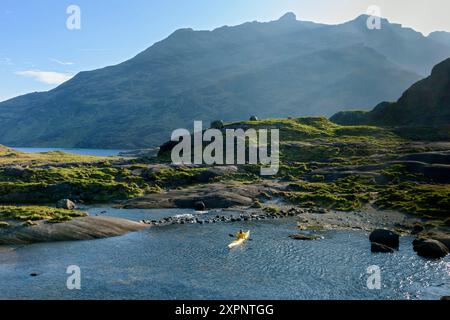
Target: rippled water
{"points": [[193, 262]]}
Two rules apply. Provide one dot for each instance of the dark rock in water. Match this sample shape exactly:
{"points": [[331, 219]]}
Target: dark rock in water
{"points": [[300, 236], [416, 243], [377, 247], [254, 118], [445, 241], [199, 206], [65, 204], [385, 237], [34, 274], [430, 248]]}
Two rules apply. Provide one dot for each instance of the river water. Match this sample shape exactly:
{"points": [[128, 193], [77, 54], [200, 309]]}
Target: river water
{"points": [[193, 262]]}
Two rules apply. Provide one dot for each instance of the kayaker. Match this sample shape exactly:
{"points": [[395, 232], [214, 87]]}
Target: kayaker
{"points": [[240, 234]]}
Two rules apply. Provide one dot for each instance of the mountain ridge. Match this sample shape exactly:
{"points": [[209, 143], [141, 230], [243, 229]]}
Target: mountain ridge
{"points": [[284, 67]]}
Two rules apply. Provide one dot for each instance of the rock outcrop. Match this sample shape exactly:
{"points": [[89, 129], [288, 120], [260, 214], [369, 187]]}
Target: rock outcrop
{"points": [[377, 247], [66, 204], [85, 228], [430, 248], [385, 238]]}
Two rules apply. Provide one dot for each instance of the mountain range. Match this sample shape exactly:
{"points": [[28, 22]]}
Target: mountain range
{"points": [[273, 69]]}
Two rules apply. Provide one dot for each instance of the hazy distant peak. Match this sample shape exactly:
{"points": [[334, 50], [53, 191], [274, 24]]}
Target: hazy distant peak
{"points": [[288, 17], [362, 20], [441, 37]]}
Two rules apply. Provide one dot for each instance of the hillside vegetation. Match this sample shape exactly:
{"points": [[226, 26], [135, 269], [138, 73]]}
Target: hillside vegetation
{"points": [[323, 164]]}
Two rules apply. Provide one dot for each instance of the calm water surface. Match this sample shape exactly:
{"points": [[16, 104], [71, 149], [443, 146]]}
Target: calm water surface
{"points": [[193, 262]]}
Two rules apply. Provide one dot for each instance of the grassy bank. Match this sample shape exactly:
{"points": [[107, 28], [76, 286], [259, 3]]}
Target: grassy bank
{"points": [[30, 214], [322, 165]]}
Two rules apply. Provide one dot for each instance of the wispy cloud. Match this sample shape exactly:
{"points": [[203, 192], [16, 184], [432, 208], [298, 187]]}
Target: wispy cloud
{"points": [[47, 77], [64, 63]]}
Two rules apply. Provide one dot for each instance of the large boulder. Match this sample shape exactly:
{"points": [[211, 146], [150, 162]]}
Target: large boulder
{"points": [[385, 237], [430, 248], [445, 241], [200, 206], [65, 204], [377, 247]]}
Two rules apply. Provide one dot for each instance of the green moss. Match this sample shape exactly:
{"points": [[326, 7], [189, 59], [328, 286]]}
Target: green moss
{"points": [[4, 224], [10, 156], [272, 209], [324, 200], [153, 189], [37, 213], [344, 194], [238, 177], [425, 200], [293, 171], [318, 139], [399, 172], [256, 204], [166, 176], [87, 182], [29, 223]]}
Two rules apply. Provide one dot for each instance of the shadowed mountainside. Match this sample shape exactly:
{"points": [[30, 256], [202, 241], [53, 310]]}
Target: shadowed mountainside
{"points": [[425, 104], [274, 69]]}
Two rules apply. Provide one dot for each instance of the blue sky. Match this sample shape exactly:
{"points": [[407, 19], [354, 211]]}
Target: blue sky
{"points": [[37, 51]]}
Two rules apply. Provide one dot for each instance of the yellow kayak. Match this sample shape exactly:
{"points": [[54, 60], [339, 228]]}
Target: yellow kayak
{"points": [[240, 239]]}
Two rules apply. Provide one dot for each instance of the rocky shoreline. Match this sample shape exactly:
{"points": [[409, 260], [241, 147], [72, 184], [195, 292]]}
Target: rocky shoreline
{"points": [[430, 242], [84, 228], [330, 177]]}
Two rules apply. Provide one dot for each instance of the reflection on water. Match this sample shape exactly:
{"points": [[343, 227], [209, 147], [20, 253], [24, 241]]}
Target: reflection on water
{"points": [[193, 262]]}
